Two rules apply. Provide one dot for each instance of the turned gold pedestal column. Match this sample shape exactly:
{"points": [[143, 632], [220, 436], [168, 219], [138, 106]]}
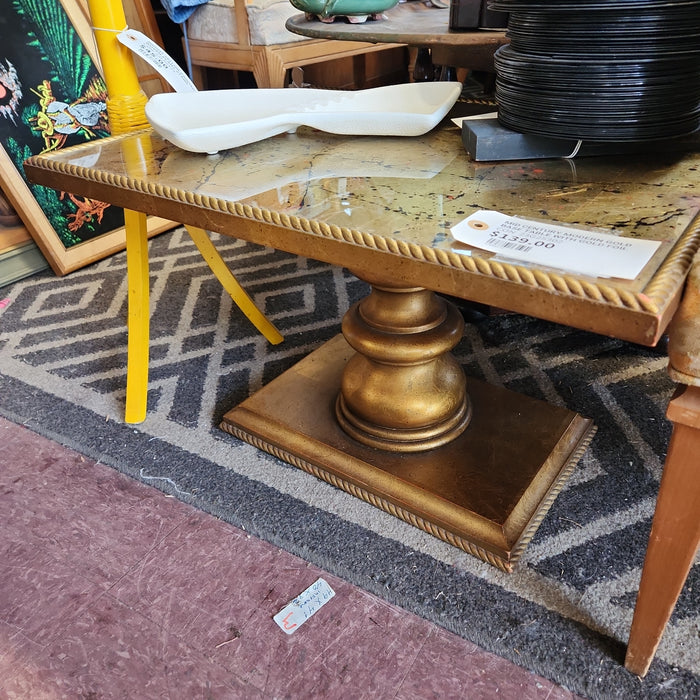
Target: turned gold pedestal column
{"points": [[403, 391], [386, 413]]}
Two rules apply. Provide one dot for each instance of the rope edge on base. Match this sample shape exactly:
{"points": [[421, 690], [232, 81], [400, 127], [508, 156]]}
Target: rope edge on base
{"points": [[505, 565], [554, 491]]}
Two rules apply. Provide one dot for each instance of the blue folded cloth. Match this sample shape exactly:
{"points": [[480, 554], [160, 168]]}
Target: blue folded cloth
{"points": [[180, 10]]}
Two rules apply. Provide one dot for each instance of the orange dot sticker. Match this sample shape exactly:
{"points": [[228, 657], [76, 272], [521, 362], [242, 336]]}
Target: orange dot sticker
{"points": [[478, 225]]}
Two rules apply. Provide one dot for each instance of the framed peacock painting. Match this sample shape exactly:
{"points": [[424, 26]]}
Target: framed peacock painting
{"points": [[52, 96]]}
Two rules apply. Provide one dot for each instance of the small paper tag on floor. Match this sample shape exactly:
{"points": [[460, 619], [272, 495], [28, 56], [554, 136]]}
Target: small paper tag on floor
{"points": [[307, 603]]}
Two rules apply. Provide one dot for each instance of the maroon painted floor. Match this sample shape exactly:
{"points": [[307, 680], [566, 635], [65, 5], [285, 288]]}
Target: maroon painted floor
{"points": [[110, 589]]}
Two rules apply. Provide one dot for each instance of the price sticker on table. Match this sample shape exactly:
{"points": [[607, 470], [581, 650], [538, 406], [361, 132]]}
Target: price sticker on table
{"points": [[590, 253]]}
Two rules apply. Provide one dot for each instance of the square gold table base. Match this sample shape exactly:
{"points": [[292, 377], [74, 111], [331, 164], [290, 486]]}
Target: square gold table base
{"points": [[485, 492]]}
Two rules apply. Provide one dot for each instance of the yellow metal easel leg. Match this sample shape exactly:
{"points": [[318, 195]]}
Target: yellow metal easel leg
{"points": [[232, 286], [126, 109], [139, 316]]}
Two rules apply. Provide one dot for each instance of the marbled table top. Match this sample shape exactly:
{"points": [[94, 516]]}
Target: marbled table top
{"points": [[403, 195]]}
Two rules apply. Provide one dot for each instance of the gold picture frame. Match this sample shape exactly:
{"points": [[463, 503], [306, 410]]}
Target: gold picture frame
{"points": [[55, 97]]}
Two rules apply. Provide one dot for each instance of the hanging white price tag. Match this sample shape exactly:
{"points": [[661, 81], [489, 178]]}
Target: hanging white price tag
{"points": [[154, 55]]}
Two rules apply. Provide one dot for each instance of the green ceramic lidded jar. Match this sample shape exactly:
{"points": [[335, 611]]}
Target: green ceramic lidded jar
{"points": [[328, 9]]}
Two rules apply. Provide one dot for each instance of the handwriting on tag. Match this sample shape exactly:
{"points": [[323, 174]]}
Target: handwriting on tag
{"points": [[306, 604], [155, 56], [591, 253]]}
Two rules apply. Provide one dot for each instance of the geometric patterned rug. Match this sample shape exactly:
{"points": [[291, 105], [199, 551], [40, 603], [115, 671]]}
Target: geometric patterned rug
{"points": [[566, 610]]}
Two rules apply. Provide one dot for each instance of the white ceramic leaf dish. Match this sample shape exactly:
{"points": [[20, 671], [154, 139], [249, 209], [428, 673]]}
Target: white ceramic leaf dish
{"points": [[216, 120]]}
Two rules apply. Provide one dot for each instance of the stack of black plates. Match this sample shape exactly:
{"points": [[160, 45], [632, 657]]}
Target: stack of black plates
{"points": [[603, 70]]}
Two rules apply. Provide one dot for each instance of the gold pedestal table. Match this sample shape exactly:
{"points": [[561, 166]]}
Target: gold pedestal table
{"points": [[384, 411]]}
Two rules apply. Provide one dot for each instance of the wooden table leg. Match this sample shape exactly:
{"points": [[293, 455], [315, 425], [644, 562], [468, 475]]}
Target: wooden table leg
{"points": [[675, 532]]}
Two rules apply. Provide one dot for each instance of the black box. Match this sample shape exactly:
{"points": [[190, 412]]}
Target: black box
{"points": [[474, 14], [486, 139]]}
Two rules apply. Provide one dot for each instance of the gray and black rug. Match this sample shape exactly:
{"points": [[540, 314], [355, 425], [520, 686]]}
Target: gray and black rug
{"points": [[565, 612]]}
